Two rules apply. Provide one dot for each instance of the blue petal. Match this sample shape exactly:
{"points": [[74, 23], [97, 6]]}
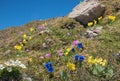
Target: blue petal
{"points": [[50, 69], [76, 56], [81, 58], [79, 45], [73, 50]]}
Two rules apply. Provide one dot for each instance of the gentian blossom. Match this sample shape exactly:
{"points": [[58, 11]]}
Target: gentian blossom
{"points": [[49, 67], [79, 45], [81, 58], [76, 57]]}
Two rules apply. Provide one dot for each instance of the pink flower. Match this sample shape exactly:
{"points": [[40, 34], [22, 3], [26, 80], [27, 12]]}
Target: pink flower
{"points": [[60, 52], [47, 55], [75, 42], [41, 57], [41, 28], [27, 50]]}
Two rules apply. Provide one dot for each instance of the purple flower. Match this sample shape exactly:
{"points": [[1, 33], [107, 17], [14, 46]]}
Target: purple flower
{"points": [[41, 57], [47, 55], [75, 42], [41, 28], [60, 52], [27, 50]]}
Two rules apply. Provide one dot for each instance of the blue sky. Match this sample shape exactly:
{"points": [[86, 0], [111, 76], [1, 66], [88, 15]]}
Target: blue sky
{"points": [[19, 12]]}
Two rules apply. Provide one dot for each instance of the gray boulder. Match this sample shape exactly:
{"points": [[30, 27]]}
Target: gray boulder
{"points": [[94, 32], [87, 11]]}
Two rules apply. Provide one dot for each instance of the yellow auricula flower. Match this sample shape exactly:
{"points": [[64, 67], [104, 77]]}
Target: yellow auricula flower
{"points": [[30, 38], [68, 49], [24, 36], [112, 18], [90, 60], [95, 22], [71, 66], [24, 41], [100, 18], [31, 29], [17, 47], [30, 59], [104, 63], [90, 24], [21, 44]]}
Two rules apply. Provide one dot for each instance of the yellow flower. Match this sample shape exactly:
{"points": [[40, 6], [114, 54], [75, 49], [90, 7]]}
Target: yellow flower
{"points": [[17, 47], [30, 59], [91, 60], [90, 24], [24, 36], [31, 29], [68, 49], [66, 53], [104, 63], [71, 66], [21, 44], [95, 22], [100, 18], [112, 18], [24, 41], [30, 38]]}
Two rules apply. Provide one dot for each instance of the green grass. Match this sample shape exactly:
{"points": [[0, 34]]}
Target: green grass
{"points": [[106, 44]]}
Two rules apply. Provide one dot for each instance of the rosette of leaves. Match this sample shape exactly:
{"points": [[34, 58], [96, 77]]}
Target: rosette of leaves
{"points": [[101, 71], [13, 75]]}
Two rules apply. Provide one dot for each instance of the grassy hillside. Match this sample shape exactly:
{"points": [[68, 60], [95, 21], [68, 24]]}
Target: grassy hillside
{"points": [[49, 36]]}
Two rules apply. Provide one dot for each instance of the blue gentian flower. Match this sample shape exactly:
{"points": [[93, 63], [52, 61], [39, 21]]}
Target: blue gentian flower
{"points": [[79, 45], [76, 57], [48, 65], [81, 58], [73, 50], [51, 69]]}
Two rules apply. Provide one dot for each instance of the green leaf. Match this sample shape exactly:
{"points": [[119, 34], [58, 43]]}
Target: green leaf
{"points": [[110, 72]]}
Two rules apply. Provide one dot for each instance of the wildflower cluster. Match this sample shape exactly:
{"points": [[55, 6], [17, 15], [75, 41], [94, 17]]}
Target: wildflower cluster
{"points": [[9, 70], [94, 22], [18, 47], [71, 66], [79, 58], [24, 41], [111, 18], [92, 61], [11, 63]]}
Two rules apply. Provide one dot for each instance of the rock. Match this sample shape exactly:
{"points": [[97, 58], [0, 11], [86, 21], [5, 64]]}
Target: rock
{"points": [[26, 78], [94, 32], [87, 11], [90, 34], [44, 31], [7, 52], [98, 30]]}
